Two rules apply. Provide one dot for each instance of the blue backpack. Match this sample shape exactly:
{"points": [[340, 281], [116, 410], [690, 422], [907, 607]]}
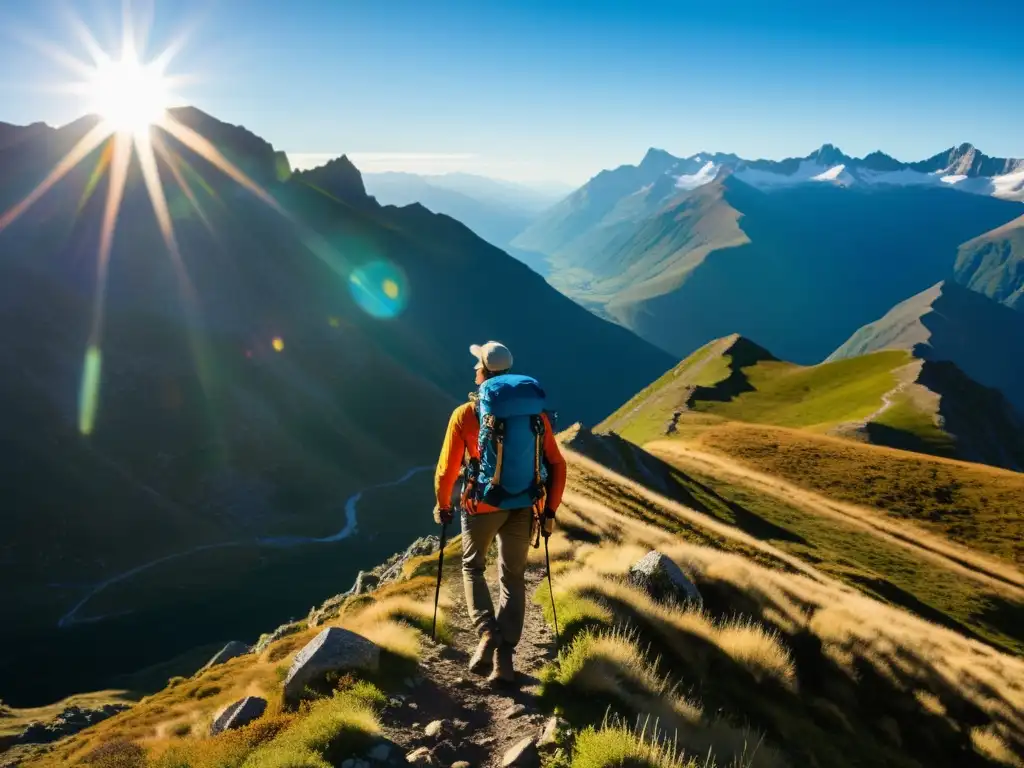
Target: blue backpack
{"points": [[511, 472]]}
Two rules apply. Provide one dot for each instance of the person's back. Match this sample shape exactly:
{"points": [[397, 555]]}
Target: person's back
{"points": [[514, 473]]}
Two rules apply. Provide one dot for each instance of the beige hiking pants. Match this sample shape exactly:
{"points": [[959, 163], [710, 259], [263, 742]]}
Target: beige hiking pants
{"points": [[512, 529]]}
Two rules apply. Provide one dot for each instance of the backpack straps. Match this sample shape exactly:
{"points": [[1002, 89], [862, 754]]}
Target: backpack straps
{"points": [[496, 427], [537, 422]]}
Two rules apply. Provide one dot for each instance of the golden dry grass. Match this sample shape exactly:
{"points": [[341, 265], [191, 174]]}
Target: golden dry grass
{"points": [[973, 504], [612, 666], [181, 714], [688, 633], [866, 683]]}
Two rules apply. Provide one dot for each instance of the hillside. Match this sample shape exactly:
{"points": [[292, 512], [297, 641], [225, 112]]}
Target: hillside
{"points": [[682, 253], [949, 322], [783, 663], [191, 437], [888, 398], [993, 264]]}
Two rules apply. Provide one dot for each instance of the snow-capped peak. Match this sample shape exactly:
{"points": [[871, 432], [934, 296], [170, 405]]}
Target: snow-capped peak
{"points": [[704, 176]]}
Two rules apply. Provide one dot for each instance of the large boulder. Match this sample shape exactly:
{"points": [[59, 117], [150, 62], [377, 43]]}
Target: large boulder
{"points": [[242, 712], [333, 650], [663, 580], [228, 652]]}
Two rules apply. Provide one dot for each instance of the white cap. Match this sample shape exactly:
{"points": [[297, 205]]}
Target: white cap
{"points": [[492, 356]]}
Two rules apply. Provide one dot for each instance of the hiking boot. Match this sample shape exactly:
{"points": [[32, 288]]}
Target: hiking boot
{"points": [[482, 658], [503, 671]]}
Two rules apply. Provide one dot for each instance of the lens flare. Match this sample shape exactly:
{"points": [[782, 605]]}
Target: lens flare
{"points": [[89, 393], [132, 97], [379, 288], [277, 344]]}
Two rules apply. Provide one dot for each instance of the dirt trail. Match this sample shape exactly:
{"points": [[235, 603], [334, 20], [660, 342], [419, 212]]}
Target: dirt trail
{"points": [[479, 730], [976, 566]]}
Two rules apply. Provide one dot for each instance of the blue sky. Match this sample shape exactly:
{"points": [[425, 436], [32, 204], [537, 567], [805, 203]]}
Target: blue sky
{"points": [[555, 89]]}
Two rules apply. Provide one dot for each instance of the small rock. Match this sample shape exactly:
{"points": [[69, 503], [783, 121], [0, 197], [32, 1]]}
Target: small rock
{"points": [[395, 702], [663, 580], [413, 705], [549, 733], [514, 711], [522, 754], [365, 582], [461, 764], [242, 712], [485, 741], [228, 652], [334, 649], [283, 631], [380, 753], [436, 728], [421, 756], [459, 682], [415, 726]]}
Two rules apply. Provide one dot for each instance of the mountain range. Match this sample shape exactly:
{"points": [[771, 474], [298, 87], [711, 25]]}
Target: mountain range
{"points": [[796, 253], [308, 343]]}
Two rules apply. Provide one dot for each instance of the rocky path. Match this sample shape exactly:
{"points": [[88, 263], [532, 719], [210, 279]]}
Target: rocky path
{"points": [[480, 724]]}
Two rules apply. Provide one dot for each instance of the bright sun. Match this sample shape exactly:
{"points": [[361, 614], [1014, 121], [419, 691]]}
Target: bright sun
{"points": [[128, 95]]}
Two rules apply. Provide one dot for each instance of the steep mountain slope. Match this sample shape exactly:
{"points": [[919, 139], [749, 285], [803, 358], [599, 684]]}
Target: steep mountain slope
{"points": [[993, 264], [308, 345], [949, 322], [888, 398], [800, 267], [613, 199], [653, 257]]}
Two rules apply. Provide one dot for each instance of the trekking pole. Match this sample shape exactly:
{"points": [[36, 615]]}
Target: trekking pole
{"points": [[440, 567], [551, 589]]}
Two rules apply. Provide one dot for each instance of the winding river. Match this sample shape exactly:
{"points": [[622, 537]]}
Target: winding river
{"points": [[350, 527]]}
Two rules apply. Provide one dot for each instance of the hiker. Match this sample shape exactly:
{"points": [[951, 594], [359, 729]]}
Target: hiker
{"points": [[514, 474]]}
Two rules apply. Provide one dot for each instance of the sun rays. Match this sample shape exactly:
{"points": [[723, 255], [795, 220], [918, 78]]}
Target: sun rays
{"points": [[131, 98]]}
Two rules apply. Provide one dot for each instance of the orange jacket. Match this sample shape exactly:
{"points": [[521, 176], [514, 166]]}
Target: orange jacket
{"points": [[461, 437]]}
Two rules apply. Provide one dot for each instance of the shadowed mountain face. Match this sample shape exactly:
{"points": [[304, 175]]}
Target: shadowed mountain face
{"points": [[993, 264], [798, 268], [951, 323], [797, 253], [310, 344]]}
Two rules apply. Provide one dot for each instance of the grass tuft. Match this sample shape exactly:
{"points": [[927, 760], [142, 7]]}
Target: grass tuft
{"points": [[615, 746], [329, 731]]}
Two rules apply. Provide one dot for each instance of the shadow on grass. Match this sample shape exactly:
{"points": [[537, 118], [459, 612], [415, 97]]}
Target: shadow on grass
{"points": [[663, 478], [868, 714]]}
